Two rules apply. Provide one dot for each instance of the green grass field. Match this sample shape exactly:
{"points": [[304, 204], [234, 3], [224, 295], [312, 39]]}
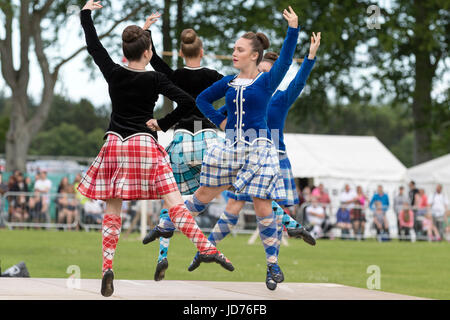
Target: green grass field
{"points": [[419, 269]]}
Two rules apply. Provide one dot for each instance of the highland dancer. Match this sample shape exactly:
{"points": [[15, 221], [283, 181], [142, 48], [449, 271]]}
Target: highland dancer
{"points": [[279, 106], [131, 164], [247, 160], [193, 134]]}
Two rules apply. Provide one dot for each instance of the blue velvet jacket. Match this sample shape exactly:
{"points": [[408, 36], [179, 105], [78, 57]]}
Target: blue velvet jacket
{"points": [[247, 105], [281, 102]]}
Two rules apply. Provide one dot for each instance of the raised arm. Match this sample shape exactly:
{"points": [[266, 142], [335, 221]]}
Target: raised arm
{"points": [[284, 61], [94, 46], [157, 63], [298, 83], [206, 98]]}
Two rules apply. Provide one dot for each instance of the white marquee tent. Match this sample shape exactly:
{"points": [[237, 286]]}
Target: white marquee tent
{"points": [[428, 174]]}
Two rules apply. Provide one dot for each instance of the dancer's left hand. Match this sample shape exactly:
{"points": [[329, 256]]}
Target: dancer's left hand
{"points": [[91, 5], [315, 43], [151, 20], [152, 124]]}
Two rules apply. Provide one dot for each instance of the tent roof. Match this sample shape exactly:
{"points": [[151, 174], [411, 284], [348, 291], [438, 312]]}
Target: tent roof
{"points": [[433, 171], [342, 157]]}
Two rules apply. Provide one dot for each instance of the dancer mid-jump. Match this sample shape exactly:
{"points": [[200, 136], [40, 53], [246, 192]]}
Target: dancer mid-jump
{"points": [[131, 164], [193, 134]]}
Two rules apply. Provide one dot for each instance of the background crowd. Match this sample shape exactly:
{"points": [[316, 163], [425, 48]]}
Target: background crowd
{"points": [[418, 215]]}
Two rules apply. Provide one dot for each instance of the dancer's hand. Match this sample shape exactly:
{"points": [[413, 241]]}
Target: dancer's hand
{"points": [[151, 20], [315, 43], [291, 17], [223, 124], [152, 124], [91, 5]]}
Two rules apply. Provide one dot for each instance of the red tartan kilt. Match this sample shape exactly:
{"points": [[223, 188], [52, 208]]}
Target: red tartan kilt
{"points": [[135, 169]]}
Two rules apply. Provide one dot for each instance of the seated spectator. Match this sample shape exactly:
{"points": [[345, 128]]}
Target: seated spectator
{"points": [[357, 215], [38, 209], [305, 195], [93, 211], [380, 222], [3, 186], [19, 209], [69, 207], [346, 200], [316, 218], [322, 196], [430, 228], [405, 221]]}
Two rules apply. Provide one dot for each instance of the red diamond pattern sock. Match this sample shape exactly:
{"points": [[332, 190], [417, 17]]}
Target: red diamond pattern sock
{"points": [[184, 222], [111, 226]]}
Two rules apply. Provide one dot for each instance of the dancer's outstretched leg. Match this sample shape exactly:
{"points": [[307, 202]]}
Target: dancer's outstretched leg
{"points": [[111, 227], [294, 228]]}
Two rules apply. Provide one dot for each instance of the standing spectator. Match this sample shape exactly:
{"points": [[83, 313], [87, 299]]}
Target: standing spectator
{"points": [[412, 193], [3, 186], [381, 197], [399, 200], [439, 206], [357, 215], [380, 221], [322, 196], [316, 217], [346, 200], [405, 221], [430, 228], [61, 187], [44, 186], [305, 195], [81, 199], [447, 225]]}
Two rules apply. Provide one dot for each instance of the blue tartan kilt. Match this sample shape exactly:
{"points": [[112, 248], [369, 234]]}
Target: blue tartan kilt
{"points": [[289, 185], [186, 153], [252, 170]]}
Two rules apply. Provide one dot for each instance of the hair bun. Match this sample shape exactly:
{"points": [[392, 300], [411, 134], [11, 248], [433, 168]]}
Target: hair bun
{"points": [[272, 56], [188, 36], [263, 39], [132, 33]]}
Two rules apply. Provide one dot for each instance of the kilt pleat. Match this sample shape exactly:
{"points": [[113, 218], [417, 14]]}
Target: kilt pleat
{"points": [[250, 169], [133, 169]]}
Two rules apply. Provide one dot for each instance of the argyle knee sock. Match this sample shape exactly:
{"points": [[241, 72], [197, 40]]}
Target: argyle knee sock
{"points": [[268, 233], [194, 205], [287, 220], [184, 222], [111, 226], [280, 227], [223, 227], [166, 225]]}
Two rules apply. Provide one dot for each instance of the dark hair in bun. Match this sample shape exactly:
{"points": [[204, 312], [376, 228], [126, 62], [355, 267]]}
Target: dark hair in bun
{"points": [[270, 57], [191, 44], [259, 42], [134, 42]]}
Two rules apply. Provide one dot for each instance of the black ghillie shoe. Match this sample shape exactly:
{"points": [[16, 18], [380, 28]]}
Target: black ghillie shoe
{"points": [[107, 283], [270, 282], [195, 263], [275, 271], [224, 262], [302, 233], [161, 268], [155, 233]]}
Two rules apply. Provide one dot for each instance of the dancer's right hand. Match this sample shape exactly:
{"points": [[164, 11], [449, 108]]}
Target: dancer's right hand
{"points": [[91, 5], [151, 20], [291, 17]]}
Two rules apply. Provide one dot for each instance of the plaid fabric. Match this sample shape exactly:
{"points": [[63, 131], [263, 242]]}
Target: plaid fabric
{"points": [[186, 153], [289, 185], [111, 226], [135, 169], [249, 169]]}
